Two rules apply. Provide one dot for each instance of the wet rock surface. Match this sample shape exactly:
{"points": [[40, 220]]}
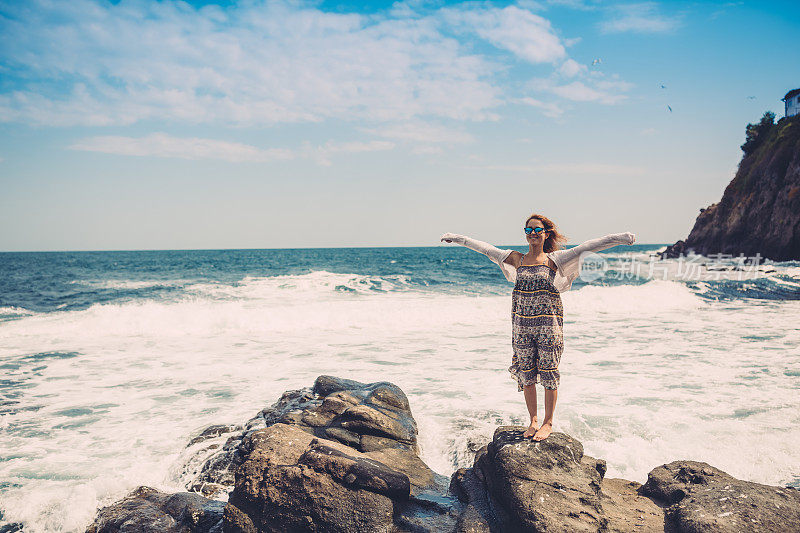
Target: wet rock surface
{"points": [[147, 509], [343, 456], [518, 484], [700, 497]]}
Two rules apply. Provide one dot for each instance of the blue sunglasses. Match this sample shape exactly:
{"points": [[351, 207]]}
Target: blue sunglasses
{"points": [[538, 230]]}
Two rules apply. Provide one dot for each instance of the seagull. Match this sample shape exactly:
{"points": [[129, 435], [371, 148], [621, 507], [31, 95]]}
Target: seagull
{"points": [[663, 86], [670, 109], [751, 97], [596, 61]]}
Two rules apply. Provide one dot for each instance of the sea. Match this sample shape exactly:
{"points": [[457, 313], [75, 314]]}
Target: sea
{"points": [[110, 362]]}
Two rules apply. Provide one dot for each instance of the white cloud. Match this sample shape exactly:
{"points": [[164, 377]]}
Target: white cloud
{"points": [[163, 145], [356, 146], [550, 109], [100, 63], [321, 154], [422, 132], [525, 34], [593, 168], [260, 62], [573, 168], [426, 150], [649, 131], [574, 4], [639, 18], [571, 68], [578, 91]]}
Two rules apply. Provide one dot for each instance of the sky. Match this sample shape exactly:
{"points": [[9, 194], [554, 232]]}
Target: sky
{"points": [[287, 124]]}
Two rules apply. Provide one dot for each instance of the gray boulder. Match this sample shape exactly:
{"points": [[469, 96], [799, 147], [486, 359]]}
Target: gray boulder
{"points": [[366, 417], [294, 481], [700, 497], [535, 486], [146, 509], [342, 456]]}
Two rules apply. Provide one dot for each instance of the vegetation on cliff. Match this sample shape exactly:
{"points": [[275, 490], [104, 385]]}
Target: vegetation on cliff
{"points": [[759, 212]]}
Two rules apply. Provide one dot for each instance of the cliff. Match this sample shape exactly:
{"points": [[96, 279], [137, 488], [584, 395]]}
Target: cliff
{"points": [[760, 209], [341, 457]]}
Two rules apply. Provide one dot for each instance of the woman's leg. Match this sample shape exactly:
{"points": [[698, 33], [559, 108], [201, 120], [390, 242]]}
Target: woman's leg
{"points": [[530, 400], [550, 397]]}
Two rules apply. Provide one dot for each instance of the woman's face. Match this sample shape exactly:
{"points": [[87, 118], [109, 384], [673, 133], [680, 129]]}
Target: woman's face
{"points": [[532, 237]]}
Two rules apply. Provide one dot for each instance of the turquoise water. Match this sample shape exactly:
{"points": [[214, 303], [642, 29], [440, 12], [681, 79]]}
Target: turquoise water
{"points": [[111, 361]]}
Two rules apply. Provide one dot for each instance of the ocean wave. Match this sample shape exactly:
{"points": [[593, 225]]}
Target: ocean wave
{"points": [[318, 282]]}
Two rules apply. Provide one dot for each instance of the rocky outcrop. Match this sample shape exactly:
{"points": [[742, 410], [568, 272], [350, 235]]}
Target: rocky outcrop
{"points": [[147, 509], [703, 498], [518, 484], [367, 417], [292, 481], [759, 212], [341, 456]]}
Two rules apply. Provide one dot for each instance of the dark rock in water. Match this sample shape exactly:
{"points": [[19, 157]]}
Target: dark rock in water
{"points": [[367, 417], [518, 484], [213, 431], [148, 510], [759, 212], [675, 250], [341, 456], [703, 498], [291, 481], [536, 486]]}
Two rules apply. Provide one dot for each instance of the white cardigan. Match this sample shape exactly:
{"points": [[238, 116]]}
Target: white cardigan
{"points": [[568, 262]]}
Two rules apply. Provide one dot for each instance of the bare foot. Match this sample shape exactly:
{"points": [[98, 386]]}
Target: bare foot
{"points": [[544, 431], [532, 428]]}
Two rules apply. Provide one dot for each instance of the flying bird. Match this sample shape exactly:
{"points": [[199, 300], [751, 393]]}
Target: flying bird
{"points": [[596, 61], [751, 97], [663, 86], [670, 109]]}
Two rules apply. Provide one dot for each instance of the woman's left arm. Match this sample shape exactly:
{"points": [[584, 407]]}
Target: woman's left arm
{"points": [[595, 245]]}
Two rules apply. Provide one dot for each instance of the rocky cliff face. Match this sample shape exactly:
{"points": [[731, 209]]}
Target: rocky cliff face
{"points": [[760, 209], [341, 456]]}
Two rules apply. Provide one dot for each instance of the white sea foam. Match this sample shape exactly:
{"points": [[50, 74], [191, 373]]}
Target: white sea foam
{"points": [[128, 284], [650, 373]]}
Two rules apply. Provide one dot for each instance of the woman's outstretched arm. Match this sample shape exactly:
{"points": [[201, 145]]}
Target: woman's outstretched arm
{"points": [[595, 245], [492, 252]]}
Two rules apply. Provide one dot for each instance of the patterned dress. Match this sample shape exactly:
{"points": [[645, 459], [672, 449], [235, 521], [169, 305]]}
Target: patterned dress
{"points": [[537, 319]]}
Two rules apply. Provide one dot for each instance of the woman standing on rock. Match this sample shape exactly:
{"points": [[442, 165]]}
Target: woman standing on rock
{"points": [[536, 312]]}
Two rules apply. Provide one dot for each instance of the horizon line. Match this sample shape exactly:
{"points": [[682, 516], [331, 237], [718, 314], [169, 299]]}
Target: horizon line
{"points": [[254, 249]]}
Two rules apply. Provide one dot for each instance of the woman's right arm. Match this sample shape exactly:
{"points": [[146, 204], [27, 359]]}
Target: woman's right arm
{"points": [[492, 252]]}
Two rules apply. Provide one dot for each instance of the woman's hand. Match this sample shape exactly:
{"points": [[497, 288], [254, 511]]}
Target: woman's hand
{"points": [[632, 237], [452, 237]]}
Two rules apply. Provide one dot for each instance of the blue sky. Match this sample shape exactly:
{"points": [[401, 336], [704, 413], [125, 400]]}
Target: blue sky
{"points": [[165, 125]]}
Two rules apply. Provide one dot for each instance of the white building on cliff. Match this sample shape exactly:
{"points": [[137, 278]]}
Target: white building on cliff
{"points": [[792, 102]]}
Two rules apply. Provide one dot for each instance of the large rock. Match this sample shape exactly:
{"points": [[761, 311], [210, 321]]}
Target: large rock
{"points": [[342, 456], [547, 485], [759, 212], [293, 481], [367, 417], [518, 484], [146, 509], [703, 498]]}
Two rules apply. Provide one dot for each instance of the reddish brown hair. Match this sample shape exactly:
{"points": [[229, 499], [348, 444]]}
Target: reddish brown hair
{"points": [[554, 237]]}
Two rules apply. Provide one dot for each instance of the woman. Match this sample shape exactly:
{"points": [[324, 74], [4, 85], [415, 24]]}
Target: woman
{"points": [[537, 320]]}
